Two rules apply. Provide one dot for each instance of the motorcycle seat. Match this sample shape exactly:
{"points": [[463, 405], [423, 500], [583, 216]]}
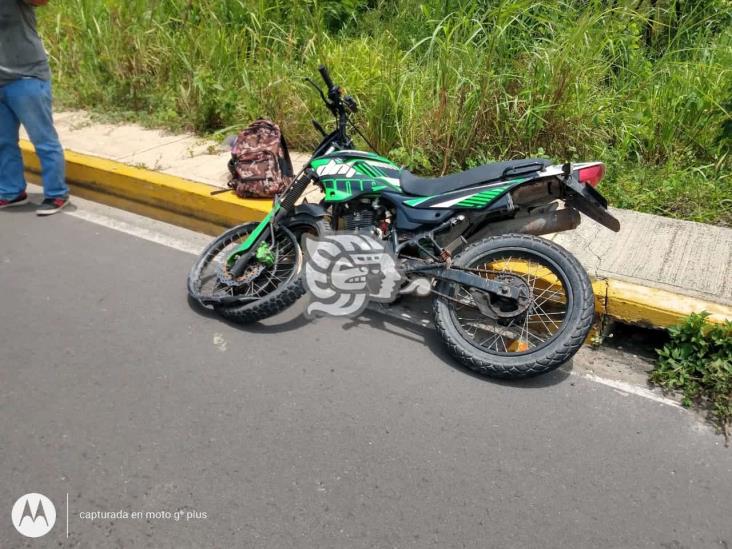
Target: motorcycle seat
{"points": [[429, 186]]}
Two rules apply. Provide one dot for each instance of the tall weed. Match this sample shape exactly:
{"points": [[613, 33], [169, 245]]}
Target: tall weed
{"points": [[645, 86]]}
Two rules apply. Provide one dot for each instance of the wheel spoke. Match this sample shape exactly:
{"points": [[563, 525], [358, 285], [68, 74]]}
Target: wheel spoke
{"points": [[543, 313], [214, 282], [533, 326]]}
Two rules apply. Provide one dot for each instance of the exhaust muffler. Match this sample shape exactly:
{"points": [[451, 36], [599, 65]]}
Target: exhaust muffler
{"points": [[553, 221]]}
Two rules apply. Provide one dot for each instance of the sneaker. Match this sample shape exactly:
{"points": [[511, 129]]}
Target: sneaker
{"points": [[50, 206], [19, 200]]}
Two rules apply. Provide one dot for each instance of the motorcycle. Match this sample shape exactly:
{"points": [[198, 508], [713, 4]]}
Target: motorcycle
{"points": [[506, 302]]}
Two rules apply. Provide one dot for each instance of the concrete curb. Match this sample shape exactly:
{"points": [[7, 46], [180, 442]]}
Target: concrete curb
{"points": [[189, 204], [161, 196], [650, 307]]}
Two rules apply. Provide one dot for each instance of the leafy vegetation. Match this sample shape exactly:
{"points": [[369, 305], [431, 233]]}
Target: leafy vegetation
{"points": [[698, 363], [645, 85]]}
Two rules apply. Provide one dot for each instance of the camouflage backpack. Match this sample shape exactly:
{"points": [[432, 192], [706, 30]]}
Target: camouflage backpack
{"points": [[260, 163]]}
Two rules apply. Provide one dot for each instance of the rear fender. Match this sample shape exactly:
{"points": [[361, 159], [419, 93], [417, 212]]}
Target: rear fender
{"points": [[555, 185], [590, 202]]}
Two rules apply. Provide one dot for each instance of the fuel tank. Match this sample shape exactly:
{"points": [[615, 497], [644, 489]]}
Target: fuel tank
{"points": [[349, 174]]}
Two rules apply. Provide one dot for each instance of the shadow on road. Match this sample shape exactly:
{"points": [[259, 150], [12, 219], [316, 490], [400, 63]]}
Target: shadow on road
{"points": [[293, 319], [429, 337], [30, 207], [284, 322], [34, 200]]}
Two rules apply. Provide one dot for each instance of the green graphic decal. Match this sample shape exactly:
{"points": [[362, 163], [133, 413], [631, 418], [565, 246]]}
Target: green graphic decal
{"points": [[482, 198], [364, 168], [319, 162], [416, 201], [337, 190], [338, 187], [334, 195], [372, 156]]}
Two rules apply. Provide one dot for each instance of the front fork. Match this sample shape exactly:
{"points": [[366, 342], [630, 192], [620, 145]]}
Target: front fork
{"points": [[240, 258]]}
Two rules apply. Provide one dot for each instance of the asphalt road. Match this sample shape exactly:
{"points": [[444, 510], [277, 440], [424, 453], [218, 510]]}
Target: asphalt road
{"points": [[340, 434]]}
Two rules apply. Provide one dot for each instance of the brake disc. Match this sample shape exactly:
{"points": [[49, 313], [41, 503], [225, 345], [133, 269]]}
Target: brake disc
{"points": [[249, 275]]}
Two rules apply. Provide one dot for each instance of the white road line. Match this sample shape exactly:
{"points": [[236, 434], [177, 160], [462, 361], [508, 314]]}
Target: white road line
{"points": [[194, 249], [139, 232], [636, 390]]}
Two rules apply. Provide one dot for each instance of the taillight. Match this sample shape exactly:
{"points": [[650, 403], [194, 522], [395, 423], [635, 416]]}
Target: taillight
{"points": [[592, 175]]}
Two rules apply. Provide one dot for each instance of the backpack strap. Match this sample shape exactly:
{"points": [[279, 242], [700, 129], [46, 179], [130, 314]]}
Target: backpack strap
{"points": [[287, 168], [232, 165], [219, 191]]}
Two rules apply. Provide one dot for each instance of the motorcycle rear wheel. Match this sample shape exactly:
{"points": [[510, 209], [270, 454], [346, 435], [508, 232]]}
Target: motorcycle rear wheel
{"points": [[516, 340]]}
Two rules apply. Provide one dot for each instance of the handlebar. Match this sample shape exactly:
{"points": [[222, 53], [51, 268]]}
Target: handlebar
{"points": [[326, 77], [340, 105]]}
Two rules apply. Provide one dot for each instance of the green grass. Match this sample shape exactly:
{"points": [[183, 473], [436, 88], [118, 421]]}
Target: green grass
{"points": [[697, 363], [645, 86]]}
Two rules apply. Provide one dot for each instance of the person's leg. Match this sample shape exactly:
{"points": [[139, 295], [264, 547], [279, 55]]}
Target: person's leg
{"points": [[30, 100], [12, 180]]}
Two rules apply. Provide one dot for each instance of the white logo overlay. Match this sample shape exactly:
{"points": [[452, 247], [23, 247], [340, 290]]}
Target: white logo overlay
{"points": [[33, 515], [344, 271]]}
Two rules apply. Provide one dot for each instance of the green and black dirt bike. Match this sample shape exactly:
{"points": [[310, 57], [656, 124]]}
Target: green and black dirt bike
{"points": [[506, 302]]}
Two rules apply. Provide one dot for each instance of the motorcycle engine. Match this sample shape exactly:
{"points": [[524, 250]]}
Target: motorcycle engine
{"points": [[364, 215]]}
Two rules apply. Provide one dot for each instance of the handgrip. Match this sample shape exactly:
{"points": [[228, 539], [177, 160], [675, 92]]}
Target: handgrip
{"points": [[326, 77]]}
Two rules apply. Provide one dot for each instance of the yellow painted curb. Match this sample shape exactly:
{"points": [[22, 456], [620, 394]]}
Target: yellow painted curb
{"points": [[190, 204], [636, 304], [158, 195]]}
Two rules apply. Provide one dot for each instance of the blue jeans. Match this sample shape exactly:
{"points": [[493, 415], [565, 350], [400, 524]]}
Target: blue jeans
{"points": [[28, 101]]}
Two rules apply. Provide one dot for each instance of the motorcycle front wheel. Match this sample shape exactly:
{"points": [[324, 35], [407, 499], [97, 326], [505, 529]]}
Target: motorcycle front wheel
{"points": [[505, 338], [263, 290]]}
